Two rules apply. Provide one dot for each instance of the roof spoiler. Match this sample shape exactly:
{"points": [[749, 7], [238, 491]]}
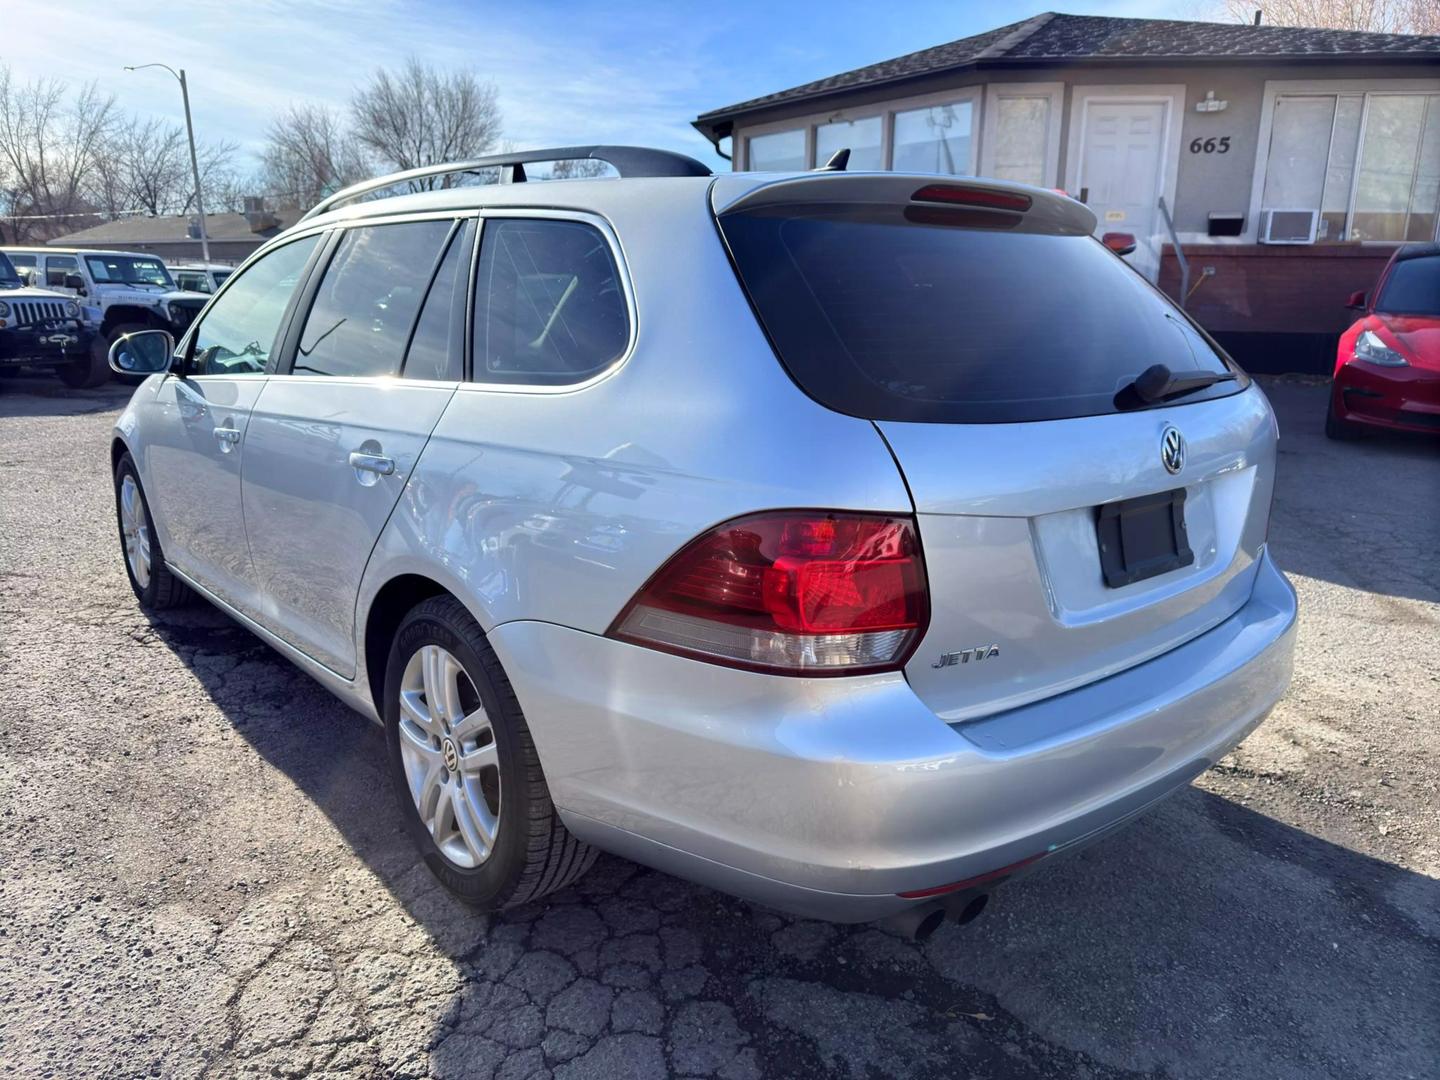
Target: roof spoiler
{"points": [[1040, 209], [626, 160]]}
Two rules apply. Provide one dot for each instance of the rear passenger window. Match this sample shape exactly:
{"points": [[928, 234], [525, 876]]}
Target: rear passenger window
{"points": [[548, 304], [368, 299], [437, 349]]}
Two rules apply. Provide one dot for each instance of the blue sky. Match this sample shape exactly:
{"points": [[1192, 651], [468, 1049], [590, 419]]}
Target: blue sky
{"points": [[566, 72]]}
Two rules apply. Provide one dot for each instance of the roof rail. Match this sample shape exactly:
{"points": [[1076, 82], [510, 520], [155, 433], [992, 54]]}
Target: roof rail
{"points": [[626, 160]]}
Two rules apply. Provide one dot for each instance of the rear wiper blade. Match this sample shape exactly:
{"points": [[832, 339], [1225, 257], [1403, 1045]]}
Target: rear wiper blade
{"points": [[1158, 383]]}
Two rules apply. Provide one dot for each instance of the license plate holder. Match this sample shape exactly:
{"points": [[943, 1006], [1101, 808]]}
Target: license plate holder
{"points": [[1143, 537]]}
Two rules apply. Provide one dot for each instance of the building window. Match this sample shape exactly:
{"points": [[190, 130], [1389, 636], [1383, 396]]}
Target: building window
{"points": [[781, 151], [1368, 163], [936, 139], [862, 137]]}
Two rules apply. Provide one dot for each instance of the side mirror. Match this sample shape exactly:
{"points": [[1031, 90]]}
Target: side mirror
{"points": [[76, 282], [1121, 243], [1357, 301], [142, 353]]}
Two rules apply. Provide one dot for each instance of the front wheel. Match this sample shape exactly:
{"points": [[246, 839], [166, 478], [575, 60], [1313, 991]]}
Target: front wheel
{"points": [[155, 586], [90, 370], [464, 766], [1337, 429]]}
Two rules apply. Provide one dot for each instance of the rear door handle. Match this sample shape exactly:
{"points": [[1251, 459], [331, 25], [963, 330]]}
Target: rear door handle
{"points": [[374, 463]]}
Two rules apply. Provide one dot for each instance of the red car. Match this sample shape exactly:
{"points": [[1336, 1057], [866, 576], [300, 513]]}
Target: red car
{"points": [[1387, 373]]}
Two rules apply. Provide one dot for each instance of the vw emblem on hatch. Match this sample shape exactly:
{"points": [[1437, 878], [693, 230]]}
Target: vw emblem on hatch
{"points": [[1172, 449]]}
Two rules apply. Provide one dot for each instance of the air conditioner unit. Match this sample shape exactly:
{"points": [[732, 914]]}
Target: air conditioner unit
{"points": [[1288, 226]]}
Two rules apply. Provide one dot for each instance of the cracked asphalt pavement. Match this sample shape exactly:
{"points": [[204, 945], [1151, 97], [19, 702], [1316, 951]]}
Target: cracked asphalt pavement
{"points": [[203, 871]]}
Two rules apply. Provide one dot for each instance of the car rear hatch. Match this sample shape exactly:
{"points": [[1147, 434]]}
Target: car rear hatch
{"points": [[1070, 528]]}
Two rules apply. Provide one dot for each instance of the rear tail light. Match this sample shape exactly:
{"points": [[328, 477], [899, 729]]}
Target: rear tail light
{"points": [[798, 593]]}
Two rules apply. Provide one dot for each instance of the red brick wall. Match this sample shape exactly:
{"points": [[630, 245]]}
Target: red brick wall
{"points": [[1259, 288]]}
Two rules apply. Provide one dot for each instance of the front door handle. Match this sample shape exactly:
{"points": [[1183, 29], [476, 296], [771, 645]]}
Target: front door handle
{"points": [[372, 463], [228, 436]]}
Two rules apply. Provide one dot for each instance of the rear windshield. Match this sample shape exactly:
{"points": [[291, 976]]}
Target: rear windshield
{"points": [[1413, 288], [890, 314]]}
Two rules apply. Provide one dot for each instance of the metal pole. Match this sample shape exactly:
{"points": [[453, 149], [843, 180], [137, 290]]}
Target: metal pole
{"points": [[195, 170]]}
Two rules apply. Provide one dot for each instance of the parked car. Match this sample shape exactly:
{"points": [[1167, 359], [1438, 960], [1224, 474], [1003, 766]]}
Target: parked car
{"points": [[130, 292], [846, 542], [1387, 367], [202, 278], [43, 329]]}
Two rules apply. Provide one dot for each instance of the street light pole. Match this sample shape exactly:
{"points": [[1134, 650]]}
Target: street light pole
{"points": [[194, 162]]}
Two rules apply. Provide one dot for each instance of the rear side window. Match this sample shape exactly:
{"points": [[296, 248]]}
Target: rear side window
{"points": [[890, 314], [549, 309], [1413, 288], [437, 351], [367, 301]]}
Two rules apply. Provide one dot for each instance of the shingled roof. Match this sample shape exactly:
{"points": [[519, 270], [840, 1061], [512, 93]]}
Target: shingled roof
{"points": [[1078, 39]]}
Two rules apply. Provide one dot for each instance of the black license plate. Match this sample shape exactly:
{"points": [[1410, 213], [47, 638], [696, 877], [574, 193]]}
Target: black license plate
{"points": [[1140, 538]]}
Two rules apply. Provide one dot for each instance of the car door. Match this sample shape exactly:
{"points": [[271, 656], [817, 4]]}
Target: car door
{"points": [[334, 436], [196, 424]]}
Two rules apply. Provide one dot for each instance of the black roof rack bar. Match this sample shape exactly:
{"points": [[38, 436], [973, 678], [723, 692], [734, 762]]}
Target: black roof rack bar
{"points": [[626, 160]]}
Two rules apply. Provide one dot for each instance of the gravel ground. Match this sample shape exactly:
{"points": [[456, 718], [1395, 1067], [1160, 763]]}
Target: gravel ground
{"points": [[202, 871]]}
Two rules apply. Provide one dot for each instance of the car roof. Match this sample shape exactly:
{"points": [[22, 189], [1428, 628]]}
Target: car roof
{"points": [[47, 250], [597, 195]]}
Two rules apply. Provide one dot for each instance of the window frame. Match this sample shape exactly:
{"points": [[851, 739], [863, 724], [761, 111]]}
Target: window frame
{"points": [[622, 269], [283, 361], [1337, 88]]}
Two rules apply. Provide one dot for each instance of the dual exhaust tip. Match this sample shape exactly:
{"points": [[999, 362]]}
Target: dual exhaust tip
{"points": [[919, 922]]}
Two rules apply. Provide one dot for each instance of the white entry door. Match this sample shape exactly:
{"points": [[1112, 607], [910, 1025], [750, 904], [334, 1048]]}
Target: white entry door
{"points": [[1121, 168]]}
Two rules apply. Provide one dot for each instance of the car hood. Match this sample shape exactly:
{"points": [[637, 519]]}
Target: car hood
{"points": [[1417, 335], [112, 287], [29, 293]]}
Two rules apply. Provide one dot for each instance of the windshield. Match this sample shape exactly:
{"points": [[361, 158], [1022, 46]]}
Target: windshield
{"points": [[1413, 288], [889, 314], [128, 270], [9, 276]]}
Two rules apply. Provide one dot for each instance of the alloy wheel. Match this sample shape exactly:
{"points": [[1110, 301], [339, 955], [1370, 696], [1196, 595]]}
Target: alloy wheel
{"points": [[135, 528], [452, 763]]}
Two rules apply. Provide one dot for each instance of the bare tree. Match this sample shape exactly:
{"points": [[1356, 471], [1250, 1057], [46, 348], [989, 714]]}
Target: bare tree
{"points": [[51, 146], [578, 169], [419, 116], [1375, 16], [309, 154]]}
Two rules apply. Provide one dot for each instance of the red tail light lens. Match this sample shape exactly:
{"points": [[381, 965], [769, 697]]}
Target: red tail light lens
{"points": [[971, 196], [801, 593]]}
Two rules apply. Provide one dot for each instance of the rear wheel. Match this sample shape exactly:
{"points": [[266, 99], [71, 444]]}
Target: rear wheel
{"points": [[155, 586], [465, 769]]}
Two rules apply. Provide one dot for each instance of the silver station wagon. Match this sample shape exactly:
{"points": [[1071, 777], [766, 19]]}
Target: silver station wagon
{"points": [[849, 542]]}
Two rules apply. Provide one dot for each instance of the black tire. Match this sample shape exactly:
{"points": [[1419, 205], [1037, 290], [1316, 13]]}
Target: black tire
{"points": [[533, 853], [1337, 429], [164, 589], [91, 370]]}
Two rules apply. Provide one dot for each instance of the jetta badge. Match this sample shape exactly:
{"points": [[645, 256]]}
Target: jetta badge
{"points": [[964, 656], [1172, 449]]}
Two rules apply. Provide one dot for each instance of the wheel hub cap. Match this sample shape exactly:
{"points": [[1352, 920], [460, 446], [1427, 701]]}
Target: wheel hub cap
{"points": [[447, 746]]}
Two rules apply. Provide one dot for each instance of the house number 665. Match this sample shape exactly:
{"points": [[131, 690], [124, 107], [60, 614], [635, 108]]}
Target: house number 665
{"points": [[1210, 146]]}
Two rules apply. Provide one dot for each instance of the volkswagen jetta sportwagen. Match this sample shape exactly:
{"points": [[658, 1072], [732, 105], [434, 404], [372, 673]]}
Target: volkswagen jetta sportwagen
{"points": [[849, 542]]}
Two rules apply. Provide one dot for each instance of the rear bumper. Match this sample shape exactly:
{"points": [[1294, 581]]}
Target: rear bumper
{"points": [[1403, 398], [58, 345], [828, 797]]}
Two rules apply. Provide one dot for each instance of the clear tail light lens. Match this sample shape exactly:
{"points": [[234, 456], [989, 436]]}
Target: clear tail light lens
{"points": [[799, 593]]}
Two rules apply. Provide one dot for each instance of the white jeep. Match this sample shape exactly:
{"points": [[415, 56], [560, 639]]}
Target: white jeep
{"points": [[128, 290]]}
